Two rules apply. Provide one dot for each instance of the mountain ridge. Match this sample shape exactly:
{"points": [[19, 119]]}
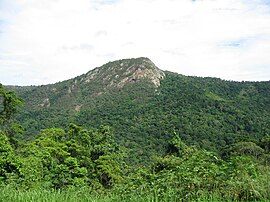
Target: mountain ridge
{"points": [[145, 105], [120, 73]]}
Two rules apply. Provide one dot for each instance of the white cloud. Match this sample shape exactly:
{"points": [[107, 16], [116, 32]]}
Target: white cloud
{"points": [[47, 41]]}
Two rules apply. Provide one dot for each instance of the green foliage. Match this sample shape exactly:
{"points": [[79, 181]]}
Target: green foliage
{"points": [[207, 112], [200, 174], [9, 165], [63, 161], [76, 158], [265, 143], [244, 148], [227, 122], [178, 147], [9, 105], [9, 102]]}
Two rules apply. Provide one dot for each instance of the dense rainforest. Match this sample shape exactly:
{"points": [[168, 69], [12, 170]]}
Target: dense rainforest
{"points": [[143, 105], [128, 131]]}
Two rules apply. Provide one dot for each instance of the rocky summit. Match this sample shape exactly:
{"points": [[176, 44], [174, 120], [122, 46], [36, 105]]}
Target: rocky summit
{"points": [[121, 72]]}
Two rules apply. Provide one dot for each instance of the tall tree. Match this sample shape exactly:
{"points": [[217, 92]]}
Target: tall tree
{"points": [[9, 104]]}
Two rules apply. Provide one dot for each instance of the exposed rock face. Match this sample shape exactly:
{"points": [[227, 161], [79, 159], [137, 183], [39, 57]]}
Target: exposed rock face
{"points": [[118, 73], [45, 103], [74, 94], [78, 108]]}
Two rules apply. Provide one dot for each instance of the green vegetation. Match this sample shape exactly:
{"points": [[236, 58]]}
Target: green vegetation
{"points": [[90, 168], [102, 137], [207, 112]]}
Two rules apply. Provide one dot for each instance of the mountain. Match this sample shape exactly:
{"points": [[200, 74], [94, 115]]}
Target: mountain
{"points": [[145, 105]]}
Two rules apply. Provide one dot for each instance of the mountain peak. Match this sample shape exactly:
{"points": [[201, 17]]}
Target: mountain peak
{"points": [[120, 72]]}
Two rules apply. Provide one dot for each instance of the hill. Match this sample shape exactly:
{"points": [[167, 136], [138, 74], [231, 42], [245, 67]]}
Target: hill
{"points": [[144, 105]]}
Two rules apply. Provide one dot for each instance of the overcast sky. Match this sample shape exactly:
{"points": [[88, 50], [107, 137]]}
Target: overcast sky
{"points": [[46, 41]]}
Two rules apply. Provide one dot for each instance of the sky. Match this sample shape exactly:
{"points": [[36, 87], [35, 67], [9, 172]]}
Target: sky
{"points": [[46, 41]]}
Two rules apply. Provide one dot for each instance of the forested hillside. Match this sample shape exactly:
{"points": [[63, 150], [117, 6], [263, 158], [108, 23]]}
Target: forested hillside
{"points": [[128, 131], [143, 105]]}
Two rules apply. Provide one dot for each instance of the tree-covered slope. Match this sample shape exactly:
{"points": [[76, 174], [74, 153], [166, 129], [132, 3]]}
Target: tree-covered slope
{"points": [[143, 105]]}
